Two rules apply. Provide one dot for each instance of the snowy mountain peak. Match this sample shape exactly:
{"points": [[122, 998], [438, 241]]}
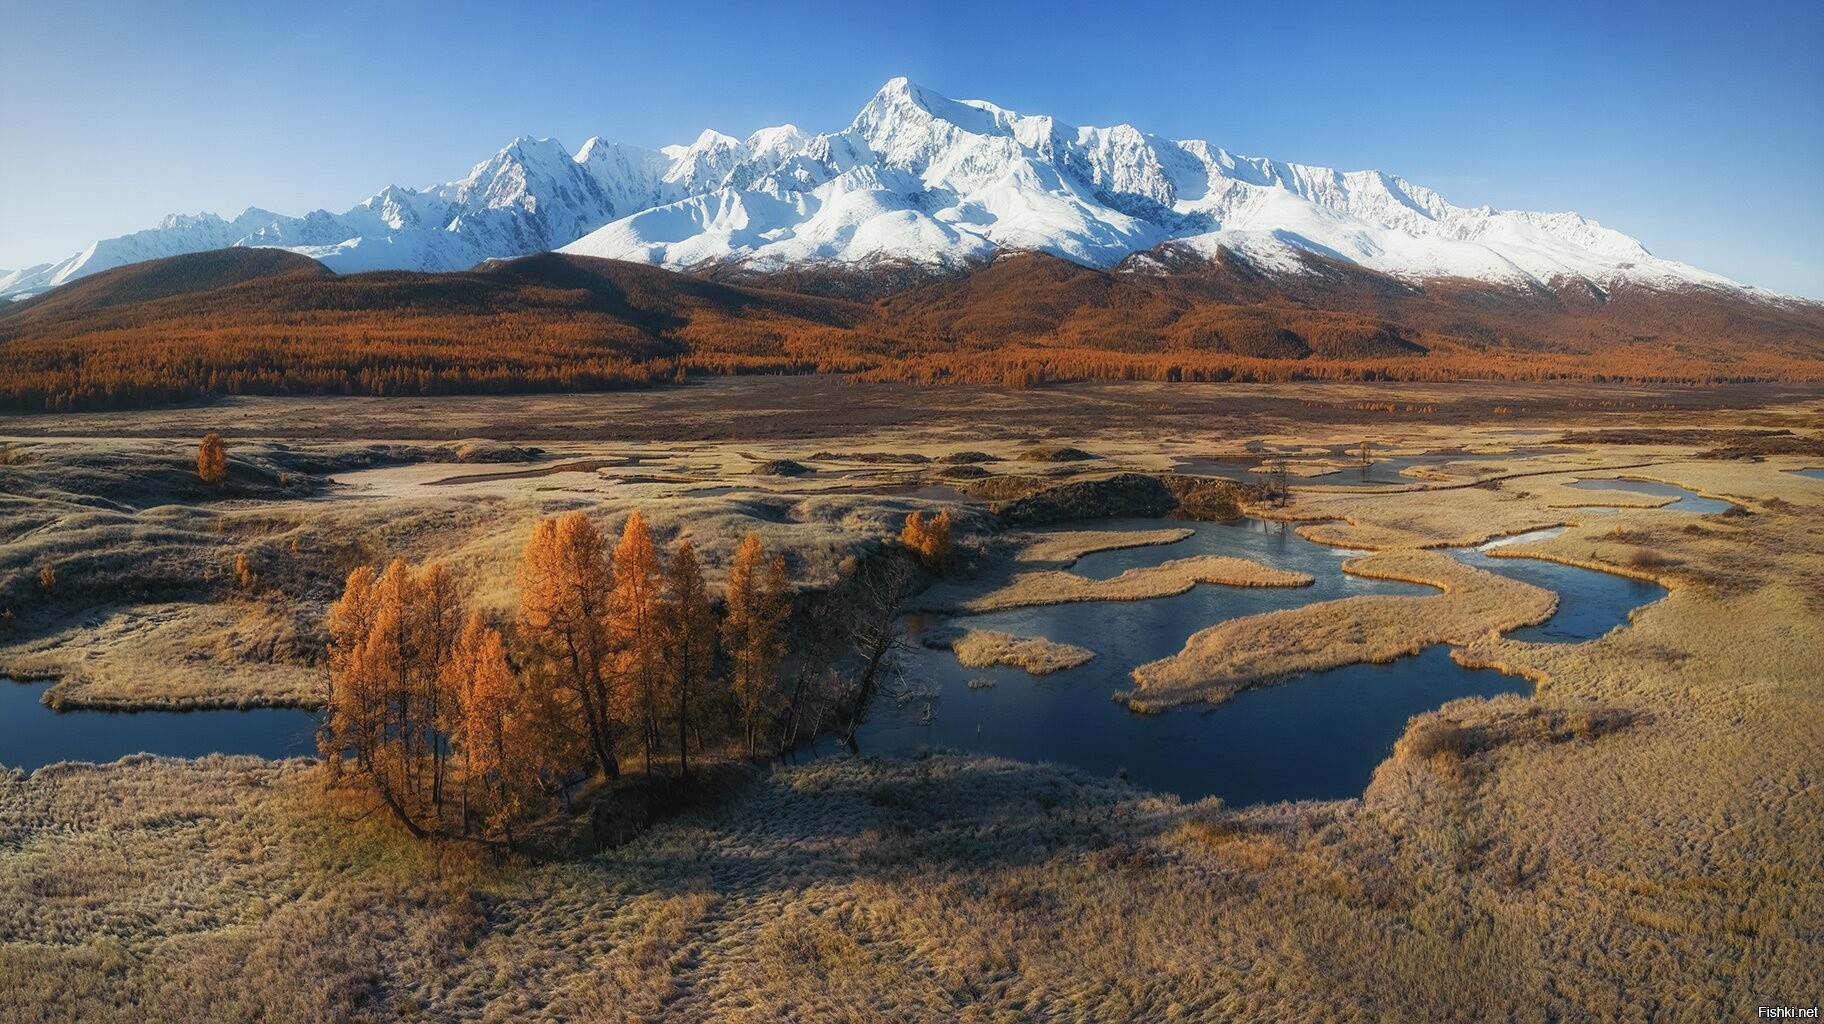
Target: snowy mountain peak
{"points": [[918, 177]]}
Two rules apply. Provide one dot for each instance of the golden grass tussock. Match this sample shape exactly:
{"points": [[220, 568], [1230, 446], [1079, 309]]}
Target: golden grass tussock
{"points": [[1231, 656], [1176, 576], [982, 648]]}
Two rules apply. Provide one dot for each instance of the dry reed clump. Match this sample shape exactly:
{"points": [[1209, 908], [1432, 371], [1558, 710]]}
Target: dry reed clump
{"points": [[1646, 558], [1231, 656], [782, 467], [1163, 580], [1004, 487], [1304, 468], [1245, 844], [983, 648], [872, 458], [1432, 739]]}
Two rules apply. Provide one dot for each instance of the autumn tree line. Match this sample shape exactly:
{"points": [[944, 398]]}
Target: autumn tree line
{"points": [[617, 656], [554, 323]]}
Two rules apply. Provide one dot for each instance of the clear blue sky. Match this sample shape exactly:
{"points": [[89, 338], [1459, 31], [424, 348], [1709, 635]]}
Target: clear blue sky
{"points": [[1698, 128]]}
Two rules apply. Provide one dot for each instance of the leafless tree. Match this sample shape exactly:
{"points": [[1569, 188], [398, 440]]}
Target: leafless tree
{"points": [[1278, 481], [871, 673]]}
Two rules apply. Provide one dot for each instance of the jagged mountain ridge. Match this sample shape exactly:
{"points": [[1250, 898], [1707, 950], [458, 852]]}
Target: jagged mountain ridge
{"points": [[919, 179]]}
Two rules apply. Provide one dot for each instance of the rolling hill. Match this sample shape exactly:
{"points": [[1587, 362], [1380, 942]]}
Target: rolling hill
{"points": [[262, 321]]}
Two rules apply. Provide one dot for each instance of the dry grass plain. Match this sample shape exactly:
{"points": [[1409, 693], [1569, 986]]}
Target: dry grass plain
{"points": [[1638, 841]]}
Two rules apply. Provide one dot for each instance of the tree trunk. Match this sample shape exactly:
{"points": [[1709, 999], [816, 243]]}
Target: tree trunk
{"points": [[392, 802], [683, 724]]}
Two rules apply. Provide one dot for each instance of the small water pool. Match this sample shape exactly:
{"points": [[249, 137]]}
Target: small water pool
{"points": [[32, 735], [1688, 500], [1815, 472]]}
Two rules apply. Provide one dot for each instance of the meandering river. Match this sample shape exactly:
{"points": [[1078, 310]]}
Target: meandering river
{"points": [[1316, 737]]}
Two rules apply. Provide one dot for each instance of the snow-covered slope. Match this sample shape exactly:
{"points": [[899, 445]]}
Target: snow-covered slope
{"points": [[531, 196], [924, 178], [920, 178]]}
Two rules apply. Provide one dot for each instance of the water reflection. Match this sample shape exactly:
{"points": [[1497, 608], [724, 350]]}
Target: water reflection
{"points": [[32, 735]]}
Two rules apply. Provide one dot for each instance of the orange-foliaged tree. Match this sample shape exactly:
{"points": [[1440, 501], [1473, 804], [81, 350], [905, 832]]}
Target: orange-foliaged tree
{"points": [[439, 621], [354, 724], [498, 751], [930, 540], [634, 609], [393, 660], [690, 644], [565, 591], [385, 651], [758, 603], [422, 700], [212, 460]]}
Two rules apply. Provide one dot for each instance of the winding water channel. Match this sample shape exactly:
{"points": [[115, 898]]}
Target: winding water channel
{"points": [[1687, 500], [1316, 737]]}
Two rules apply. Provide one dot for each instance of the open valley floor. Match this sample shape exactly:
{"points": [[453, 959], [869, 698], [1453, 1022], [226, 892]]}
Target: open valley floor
{"points": [[1307, 701]]}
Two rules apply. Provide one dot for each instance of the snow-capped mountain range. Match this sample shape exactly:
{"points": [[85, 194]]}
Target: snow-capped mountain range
{"points": [[915, 178]]}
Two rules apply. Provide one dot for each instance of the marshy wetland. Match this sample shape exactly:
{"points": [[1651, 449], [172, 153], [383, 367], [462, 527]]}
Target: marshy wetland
{"points": [[1318, 737], [1515, 725]]}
